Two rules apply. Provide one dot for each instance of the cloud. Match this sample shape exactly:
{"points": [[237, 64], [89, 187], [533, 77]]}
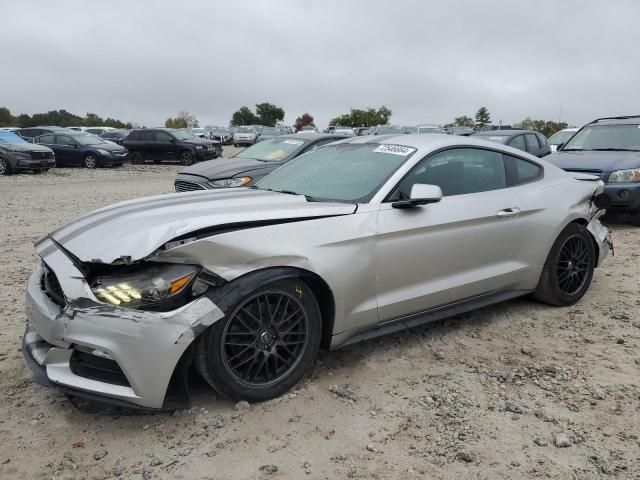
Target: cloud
{"points": [[144, 61]]}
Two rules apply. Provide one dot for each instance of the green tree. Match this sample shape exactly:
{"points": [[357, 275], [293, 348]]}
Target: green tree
{"points": [[483, 117], [6, 119], [545, 127], [363, 118], [303, 120], [463, 121], [244, 116], [183, 120], [268, 114]]}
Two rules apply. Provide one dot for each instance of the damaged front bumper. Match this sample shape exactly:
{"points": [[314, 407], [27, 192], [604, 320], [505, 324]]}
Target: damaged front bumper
{"points": [[113, 353], [602, 236]]}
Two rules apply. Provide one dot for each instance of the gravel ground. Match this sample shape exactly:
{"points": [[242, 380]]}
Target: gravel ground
{"points": [[518, 390]]}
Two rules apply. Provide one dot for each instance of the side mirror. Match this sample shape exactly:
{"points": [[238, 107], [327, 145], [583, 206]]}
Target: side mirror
{"points": [[421, 194], [544, 151]]}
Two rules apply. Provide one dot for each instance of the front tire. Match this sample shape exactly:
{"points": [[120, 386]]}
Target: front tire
{"points": [[568, 271], [5, 167], [136, 158], [187, 158], [634, 218], [90, 161], [264, 346]]}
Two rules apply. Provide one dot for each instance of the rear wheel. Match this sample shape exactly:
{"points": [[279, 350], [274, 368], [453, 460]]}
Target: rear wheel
{"points": [[90, 161], [634, 218], [136, 157], [5, 167], [187, 158], [265, 345], [568, 271]]}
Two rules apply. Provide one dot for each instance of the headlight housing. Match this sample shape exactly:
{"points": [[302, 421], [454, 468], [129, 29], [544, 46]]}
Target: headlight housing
{"points": [[102, 151], [625, 176], [153, 287], [230, 182], [200, 147]]}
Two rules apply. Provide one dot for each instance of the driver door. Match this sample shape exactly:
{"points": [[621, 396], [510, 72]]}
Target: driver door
{"points": [[464, 246]]}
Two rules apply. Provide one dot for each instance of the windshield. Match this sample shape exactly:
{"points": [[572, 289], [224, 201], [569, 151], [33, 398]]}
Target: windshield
{"points": [[245, 130], [560, 137], [88, 139], [348, 172], [429, 130], [386, 130], [605, 137], [272, 150], [8, 137], [271, 131], [220, 130], [197, 130], [182, 135]]}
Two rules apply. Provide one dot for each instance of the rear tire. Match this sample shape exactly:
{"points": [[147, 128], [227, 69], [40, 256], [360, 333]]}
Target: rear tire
{"points": [[568, 271], [634, 218], [264, 346]]}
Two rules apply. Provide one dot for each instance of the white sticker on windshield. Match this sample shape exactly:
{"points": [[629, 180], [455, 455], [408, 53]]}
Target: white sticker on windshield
{"points": [[293, 142], [395, 150]]}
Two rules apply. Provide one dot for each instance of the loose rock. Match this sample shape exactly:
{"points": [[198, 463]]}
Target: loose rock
{"points": [[241, 405], [561, 440]]}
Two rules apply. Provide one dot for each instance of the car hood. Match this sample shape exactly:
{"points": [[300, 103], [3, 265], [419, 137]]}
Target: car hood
{"points": [[590, 160], [227, 168], [24, 147], [130, 231]]}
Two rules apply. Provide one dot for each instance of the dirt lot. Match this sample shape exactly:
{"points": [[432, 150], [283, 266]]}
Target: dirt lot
{"points": [[485, 395]]}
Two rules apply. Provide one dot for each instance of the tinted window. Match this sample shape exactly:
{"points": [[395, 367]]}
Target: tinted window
{"points": [[163, 137], [518, 142], [457, 172], [45, 139], [30, 133], [148, 136], [542, 139], [532, 143], [522, 171], [65, 140]]}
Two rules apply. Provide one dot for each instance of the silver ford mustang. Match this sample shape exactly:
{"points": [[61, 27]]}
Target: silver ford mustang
{"points": [[359, 238]]}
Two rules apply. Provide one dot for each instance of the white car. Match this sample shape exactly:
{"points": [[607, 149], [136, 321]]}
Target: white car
{"points": [[560, 138]]}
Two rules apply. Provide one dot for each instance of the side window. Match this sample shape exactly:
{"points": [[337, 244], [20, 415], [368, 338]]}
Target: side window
{"points": [[94, 131], [532, 143], [148, 136], [163, 137], [64, 140], [457, 172], [44, 139], [542, 139], [318, 144], [522, 171], [518, 142], [134, 137]]}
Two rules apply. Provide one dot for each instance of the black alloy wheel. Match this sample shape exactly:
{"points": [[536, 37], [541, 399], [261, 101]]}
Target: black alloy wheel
{"points": [[573, 264], [265, 339]]}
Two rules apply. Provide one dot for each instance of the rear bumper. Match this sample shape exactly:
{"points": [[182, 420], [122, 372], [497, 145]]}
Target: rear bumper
{"points": [[141, 349], [624, 196]]}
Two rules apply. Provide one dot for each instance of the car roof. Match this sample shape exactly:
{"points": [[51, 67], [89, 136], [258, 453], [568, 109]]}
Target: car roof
{"points": [[623, 120], [502, 133], [312, 137]]}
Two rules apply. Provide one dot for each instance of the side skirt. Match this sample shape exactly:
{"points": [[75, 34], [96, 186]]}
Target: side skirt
{"points": [[422, 318]]}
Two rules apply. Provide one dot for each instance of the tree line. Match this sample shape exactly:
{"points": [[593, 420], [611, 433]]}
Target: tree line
{"points": [[61, 118]]}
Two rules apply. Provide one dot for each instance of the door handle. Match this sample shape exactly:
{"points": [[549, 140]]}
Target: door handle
{"points": [[509, 212]]}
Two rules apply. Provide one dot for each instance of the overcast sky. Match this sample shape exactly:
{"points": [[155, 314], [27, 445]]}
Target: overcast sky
{"points": [[143, 61]]}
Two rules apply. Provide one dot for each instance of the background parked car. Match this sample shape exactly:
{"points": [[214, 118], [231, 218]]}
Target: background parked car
{"points": [[30, 133], [388, 130], [251, 164], [270, 132], [428, 129], [345, 131], [245, 135], [198, 132], [533, 142], [610, 149], [309, 129], [560, 138], [82, 149], [159, 144], [17, 154], [115, 136], [221, 134], [462, 131]]}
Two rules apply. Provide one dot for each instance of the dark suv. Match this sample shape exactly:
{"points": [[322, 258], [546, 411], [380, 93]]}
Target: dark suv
{"points": [[526, 140], [610, 149], [169, 144]]}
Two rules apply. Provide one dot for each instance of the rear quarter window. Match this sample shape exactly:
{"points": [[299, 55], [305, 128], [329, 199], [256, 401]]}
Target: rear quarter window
{"points": [[522, 171]]}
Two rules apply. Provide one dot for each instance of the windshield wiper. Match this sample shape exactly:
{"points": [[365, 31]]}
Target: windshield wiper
{"points": [[309, 198]]}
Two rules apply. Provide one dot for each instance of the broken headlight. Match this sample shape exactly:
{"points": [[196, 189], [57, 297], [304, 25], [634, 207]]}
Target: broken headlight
{"points": [[155, 287]]}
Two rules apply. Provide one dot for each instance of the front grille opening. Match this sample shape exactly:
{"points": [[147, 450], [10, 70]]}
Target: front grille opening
{"points": [[182, 186], [97, 368], [36, 155], [51, 286]]}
